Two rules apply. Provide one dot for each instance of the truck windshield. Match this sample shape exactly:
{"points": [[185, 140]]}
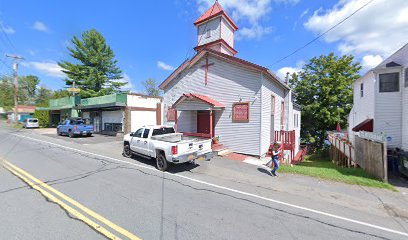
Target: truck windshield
{"points": [[161, 131]]}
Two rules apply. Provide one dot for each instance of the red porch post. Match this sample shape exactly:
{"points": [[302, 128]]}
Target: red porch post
{"points": [[211, 124]]}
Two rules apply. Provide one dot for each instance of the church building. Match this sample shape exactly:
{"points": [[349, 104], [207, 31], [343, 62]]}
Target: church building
{"points": [[216, 94]]}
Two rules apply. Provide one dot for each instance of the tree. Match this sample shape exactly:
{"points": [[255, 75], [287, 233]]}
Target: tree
{"points": [[60, 94], [27, 89], [151, 87], [96, 74], [324, 90], [44, 94], [6, 92]]}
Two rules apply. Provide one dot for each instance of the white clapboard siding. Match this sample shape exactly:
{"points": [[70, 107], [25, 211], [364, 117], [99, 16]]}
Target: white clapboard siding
{"points": [[227, 33], [187, 121], [269, 89], [189, 105], [227, 83], [213, 26], [388, 114], [404, 110], [136, 100]]}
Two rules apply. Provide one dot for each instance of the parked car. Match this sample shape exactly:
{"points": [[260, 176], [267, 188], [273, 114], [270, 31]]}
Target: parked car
{"points": [[31, 123], [74, 127], [166, 146]]}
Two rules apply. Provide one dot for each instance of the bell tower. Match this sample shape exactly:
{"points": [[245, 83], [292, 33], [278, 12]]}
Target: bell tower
{"points": [[215, 30]]}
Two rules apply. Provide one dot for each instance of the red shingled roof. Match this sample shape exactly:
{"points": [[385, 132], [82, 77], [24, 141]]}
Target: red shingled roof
{"points": [[215, 11], [202, 98]]}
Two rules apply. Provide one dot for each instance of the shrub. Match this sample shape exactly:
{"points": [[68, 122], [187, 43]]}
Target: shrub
{"points": [[43, 117]]}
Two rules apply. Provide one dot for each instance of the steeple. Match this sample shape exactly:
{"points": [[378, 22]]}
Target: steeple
{"points": [[215, 30]]}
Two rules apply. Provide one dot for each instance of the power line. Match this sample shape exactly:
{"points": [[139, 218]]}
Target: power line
{"points": [[321, 35], [8, 39]]}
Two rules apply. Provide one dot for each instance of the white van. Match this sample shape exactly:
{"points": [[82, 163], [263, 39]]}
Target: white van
{"points": [[31, 123]]}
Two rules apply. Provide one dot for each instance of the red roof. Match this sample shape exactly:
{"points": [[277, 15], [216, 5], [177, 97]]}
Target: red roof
{"points": [[215, 11], [366, 125], [25, 109], [202, 98], [219, 41]]}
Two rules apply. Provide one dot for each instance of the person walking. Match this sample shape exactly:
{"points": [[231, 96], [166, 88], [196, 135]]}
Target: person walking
{"points": [[275, 159]]}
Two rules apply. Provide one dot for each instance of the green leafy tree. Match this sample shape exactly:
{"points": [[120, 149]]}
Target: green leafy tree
{"points": [[6, 92], [43, 95], [324, 90], [27, 89], [43, 117], [96, 72], [151, 88], [60, 94]]}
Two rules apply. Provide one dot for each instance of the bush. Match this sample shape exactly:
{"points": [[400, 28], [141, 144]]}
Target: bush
{"points": [[43, 117]]}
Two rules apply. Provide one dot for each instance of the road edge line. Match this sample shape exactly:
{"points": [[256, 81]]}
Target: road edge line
{"points": [[67, 208], [76, 204]]}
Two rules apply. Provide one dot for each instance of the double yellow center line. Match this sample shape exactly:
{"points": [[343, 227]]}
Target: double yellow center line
{"points": [[59, 198]]}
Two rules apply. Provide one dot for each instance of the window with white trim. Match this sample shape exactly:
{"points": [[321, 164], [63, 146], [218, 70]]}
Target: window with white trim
{"points": [[389, 82], [362, 90]]}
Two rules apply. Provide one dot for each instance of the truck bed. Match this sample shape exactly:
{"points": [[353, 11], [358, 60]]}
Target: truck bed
{"points": [[177, 138]]}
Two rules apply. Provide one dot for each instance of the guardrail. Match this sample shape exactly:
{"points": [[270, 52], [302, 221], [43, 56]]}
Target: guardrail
{"points": [[341, 150]]}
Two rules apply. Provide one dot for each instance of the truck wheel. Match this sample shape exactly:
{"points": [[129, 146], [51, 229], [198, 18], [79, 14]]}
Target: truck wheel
{"points": [[126, 151], [161, 162], [89, 134], [70, 134]]}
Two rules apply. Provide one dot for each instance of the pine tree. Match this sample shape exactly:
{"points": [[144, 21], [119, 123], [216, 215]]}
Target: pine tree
{"points": [[97, 72]]}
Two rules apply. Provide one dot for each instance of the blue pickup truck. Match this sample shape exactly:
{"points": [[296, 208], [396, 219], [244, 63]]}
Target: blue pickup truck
{"points": [[74, 127]]}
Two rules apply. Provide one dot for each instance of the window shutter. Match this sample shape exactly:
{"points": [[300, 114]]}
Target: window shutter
{"points": [[171, 114]]}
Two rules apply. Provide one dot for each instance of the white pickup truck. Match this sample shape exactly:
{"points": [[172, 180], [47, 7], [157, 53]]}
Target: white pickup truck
{"points": [[165, 145]]}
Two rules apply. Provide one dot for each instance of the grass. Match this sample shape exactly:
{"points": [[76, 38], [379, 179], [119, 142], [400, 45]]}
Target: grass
{"points": [[17, 126], [322, 167]]}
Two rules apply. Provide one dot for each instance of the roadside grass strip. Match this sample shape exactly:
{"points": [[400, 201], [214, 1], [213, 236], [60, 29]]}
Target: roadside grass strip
{"points": [[314, 166], [310, 210], [42, 187]]}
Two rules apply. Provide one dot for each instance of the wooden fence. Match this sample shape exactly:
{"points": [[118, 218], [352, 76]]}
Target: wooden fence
{"points": [[341, 150]]}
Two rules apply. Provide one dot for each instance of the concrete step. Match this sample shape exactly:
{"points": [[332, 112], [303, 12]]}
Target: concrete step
{"points": [[224, 152]]}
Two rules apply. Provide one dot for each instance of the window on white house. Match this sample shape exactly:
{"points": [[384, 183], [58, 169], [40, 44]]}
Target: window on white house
{"points": [[406, 77], [389, 82], [296, 120], [362, 90], [208, 33]]}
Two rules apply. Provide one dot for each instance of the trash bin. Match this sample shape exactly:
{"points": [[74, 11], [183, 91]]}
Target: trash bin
{"points": [[403, 163]]}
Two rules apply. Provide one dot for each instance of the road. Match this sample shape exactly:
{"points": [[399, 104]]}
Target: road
{"points": [[89, 194]]}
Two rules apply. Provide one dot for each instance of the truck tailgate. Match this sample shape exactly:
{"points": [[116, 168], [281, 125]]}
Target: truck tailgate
{"points": [[199, 146]]}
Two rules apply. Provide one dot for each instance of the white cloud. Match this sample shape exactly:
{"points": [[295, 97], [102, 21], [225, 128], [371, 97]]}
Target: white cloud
{"points": [[304, 13], [40, 26], [248, 13], [48, 68], [378, 29], [32, 52], [371, 61], [6, 29], [129, 86], [254, 32], [165, 66], [283, 71]]}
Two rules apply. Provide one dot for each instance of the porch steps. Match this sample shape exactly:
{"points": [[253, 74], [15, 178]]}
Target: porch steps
{"points": [[220, 149]]}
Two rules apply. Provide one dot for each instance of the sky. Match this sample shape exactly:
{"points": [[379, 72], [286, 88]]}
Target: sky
{"points": [[151, 38]]}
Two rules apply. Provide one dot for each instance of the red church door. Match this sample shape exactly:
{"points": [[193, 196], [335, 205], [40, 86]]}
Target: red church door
{"points": [[203, 122]]}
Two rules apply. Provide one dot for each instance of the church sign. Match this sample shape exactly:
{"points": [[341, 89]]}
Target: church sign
{"points": [[240, 112]]}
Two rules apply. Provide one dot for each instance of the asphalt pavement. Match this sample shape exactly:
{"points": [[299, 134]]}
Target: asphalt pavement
{"points": [[208, 200]]}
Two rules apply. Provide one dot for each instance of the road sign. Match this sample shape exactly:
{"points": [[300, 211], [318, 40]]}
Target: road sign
{"points": [[73, 90]]}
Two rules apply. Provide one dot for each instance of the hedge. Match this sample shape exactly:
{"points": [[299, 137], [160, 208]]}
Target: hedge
{"points": [[43, 117]]}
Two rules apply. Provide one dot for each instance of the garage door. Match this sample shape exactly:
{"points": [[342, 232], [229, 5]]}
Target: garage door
{"points": [[141, 118]]}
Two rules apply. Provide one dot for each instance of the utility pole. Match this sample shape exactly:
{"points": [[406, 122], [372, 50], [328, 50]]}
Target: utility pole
{"points": [[16, 60]]}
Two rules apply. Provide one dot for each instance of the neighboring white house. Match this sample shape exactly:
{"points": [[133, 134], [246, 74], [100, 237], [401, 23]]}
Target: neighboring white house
{"points": [[217, 94], [380, 102]]}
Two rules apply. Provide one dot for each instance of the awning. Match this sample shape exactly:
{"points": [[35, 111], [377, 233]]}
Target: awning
{"points": [[193, 101], [366, 125], [55, 108]]}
